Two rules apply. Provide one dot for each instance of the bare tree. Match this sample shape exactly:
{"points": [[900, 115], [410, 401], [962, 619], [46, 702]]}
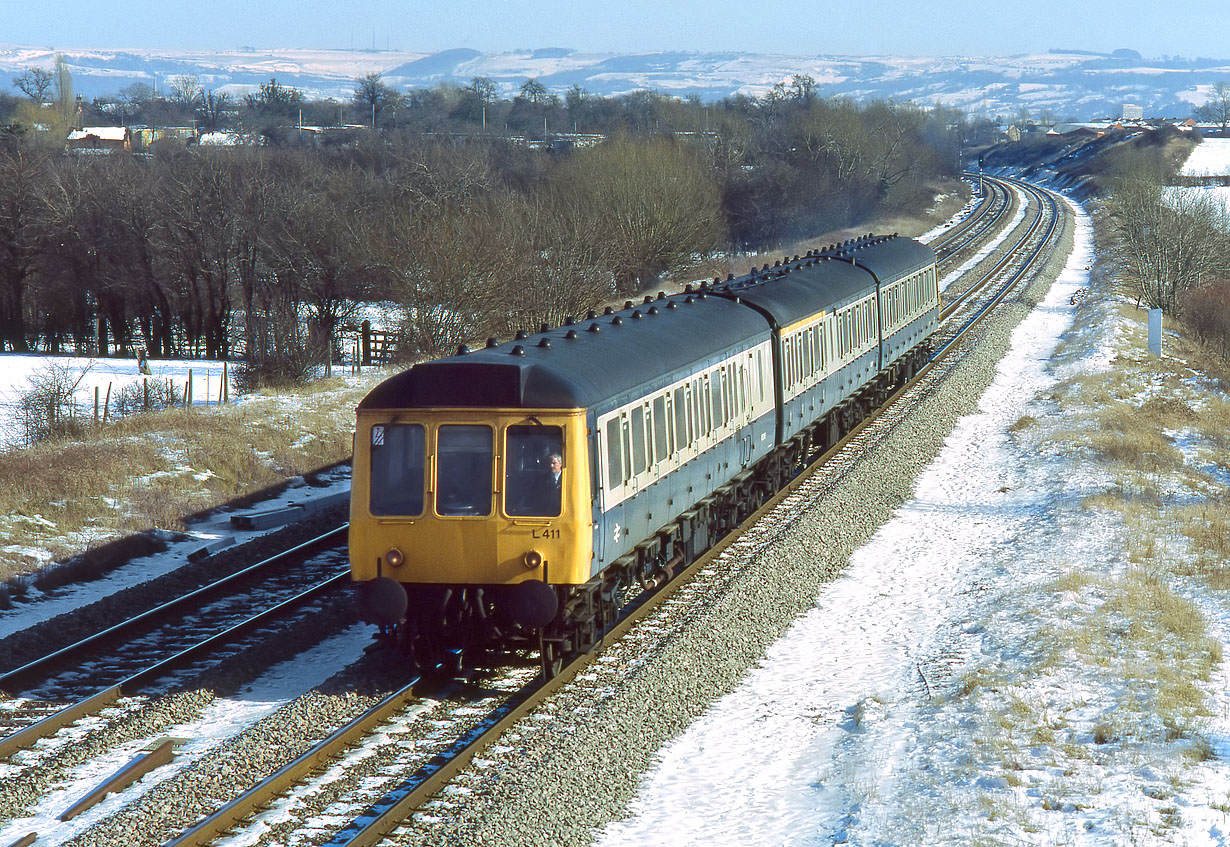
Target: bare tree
{"points": [[1164, 243], [22, 182], [657, 200], [372, 97], [35, 83], [214, 109], [186, 92], [533, 91], [1217, 108], [484, 89]]}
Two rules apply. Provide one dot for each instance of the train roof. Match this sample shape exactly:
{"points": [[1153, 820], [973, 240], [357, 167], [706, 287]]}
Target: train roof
{"points": [[643, 347], [824, 280], [581, 365]]}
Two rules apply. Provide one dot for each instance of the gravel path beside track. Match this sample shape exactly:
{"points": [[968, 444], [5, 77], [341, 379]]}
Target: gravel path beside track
{"points": [[572, 766]]}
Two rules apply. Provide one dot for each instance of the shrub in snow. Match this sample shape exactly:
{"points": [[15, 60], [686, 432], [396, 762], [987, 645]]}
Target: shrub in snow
{"points": [[47, 407]]}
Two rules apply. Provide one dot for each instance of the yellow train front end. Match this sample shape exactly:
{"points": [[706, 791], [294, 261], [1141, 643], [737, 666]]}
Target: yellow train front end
{"points": [[469, 521]]}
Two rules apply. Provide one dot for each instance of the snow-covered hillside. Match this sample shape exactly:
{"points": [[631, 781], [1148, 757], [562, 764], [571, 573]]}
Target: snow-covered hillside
{"points": [[1070, 85]]}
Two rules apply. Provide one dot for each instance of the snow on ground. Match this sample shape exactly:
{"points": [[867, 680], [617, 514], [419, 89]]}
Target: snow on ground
{"points": [[18, 369], [222, 719], [1211, 157], [863, 734], [37, 606]]}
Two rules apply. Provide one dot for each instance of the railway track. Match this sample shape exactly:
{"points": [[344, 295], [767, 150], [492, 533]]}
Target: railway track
{"points": [[987, 217], [430, 730], [88, 690]]}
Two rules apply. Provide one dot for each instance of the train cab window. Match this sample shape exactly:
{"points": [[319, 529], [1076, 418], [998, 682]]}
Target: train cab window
{"points": [[533, 471], [398, 459], [464, 457]]}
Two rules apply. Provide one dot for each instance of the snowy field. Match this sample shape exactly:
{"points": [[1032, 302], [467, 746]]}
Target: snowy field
{"points": [[1210, 158], [101, 375]]}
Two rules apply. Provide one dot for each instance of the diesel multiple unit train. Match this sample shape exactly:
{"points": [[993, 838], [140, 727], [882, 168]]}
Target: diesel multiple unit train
{"points": [[521, 494]]}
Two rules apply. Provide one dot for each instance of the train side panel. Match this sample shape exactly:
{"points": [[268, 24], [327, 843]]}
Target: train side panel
{"points": [[661, 451]]}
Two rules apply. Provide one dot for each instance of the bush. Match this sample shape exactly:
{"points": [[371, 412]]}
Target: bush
{"points": [[1206, 311], [290, 363], [48, 407], [151, 395]]}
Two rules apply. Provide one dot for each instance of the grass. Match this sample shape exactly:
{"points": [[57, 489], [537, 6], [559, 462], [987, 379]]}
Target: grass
{"points": [[59, 498], [1148, 438]]}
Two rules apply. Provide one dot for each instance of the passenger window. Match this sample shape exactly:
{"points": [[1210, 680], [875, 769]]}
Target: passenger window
{"points": [[533, 471], [464, 459], [660, 430], [681, 418], [715, 396], [727, 405], [636, 419], [700, 400], [398, 460], [615, 474], [760, 380]]}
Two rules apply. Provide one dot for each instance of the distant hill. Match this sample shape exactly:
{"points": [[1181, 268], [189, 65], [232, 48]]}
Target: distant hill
{"points": [[1067, 84]]}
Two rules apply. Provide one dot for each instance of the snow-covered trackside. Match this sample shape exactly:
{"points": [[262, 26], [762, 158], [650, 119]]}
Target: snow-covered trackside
{"points": [[38, 606], [919, 703], [220, 720]]}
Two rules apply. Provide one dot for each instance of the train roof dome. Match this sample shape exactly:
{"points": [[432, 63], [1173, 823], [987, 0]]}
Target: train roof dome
{"points": [[579, 365], [824, 280]]}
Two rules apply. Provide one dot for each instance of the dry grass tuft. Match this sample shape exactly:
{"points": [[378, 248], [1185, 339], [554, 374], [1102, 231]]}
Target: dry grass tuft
{"points": [[57, 498], [1023, 423]]}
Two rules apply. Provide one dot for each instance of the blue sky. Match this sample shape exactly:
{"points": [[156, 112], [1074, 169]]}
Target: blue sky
{"points": [[901, 27]]}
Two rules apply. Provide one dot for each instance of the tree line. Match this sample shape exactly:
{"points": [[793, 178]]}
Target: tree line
{"points": [[268, 250]]}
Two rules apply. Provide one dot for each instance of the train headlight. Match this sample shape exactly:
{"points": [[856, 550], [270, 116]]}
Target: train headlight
{"points": [[394, 558], [532, 560]]}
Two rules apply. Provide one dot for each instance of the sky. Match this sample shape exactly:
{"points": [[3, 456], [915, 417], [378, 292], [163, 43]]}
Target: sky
{"points": [[1188, 28]]}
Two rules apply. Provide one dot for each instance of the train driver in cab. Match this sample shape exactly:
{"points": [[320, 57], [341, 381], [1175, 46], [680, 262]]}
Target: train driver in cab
{"points": [[535, 479]]}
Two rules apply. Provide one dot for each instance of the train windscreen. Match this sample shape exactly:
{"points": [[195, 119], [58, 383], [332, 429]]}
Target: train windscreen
{"points": [[464, 457], [534, 464], [398, 459]]}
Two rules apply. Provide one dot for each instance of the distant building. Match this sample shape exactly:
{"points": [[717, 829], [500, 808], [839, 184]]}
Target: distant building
{"points": [[1076, 131], [143, 138], [104, 139], [1132, 112]]}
